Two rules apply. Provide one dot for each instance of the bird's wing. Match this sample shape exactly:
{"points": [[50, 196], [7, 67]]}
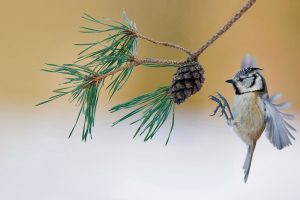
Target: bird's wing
{"points": [[277, 128]]}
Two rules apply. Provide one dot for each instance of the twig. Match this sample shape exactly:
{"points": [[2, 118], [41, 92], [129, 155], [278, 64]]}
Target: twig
{"points": [[225, 28], [166, 44], [101, 77], [158, 61], [133, 62]]}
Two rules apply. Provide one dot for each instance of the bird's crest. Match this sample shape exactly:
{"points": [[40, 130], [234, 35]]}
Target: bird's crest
{"points": [[248, 65], [248, 62]]}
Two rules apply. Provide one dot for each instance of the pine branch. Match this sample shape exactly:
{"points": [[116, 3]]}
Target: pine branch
{"points": [[155, 108], [115, 57]]}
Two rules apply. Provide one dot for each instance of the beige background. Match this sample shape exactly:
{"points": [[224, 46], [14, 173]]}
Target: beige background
{"points": [[204, 157], [38, 32]]}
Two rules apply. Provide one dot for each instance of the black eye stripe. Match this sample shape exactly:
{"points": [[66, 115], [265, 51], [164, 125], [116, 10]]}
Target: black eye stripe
{"points": [[254, 80]]}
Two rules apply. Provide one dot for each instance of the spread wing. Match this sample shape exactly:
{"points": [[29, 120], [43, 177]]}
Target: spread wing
{"points": [[277, 128]]}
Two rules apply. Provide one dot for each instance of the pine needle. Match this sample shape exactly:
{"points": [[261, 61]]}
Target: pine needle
{"points": [[81, 90], [112, 52], [96, 59], [155, 107]]}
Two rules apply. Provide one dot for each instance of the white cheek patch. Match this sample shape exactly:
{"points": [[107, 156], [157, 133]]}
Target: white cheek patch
{"points": [[250, 84], [259, 82], [258, 85], [241, 88]]}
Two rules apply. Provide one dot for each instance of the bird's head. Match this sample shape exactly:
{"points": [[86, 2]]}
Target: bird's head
{"points": [[248, 79]]}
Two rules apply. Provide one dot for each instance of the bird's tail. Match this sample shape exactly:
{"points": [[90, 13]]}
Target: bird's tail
{"points": [[247, 163]]}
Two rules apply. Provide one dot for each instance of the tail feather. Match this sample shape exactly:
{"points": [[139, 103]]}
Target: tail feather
{"points": [[247, 163]]}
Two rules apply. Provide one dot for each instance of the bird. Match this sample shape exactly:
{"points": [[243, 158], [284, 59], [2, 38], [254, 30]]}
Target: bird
{"points": [[254, 112]]}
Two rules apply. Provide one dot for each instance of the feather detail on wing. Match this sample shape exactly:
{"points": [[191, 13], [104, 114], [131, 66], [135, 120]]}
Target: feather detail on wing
{"points": [[277, 128]]}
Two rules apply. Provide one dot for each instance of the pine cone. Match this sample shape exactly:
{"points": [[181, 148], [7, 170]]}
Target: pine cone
{"points": [[187, 80]]}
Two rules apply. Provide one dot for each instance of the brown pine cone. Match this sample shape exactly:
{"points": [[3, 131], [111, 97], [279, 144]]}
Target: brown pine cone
{"points": [[187, 80]]}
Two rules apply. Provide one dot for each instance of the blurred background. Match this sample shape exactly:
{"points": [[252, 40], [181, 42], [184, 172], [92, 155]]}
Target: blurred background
{"points": [[204, 157]]}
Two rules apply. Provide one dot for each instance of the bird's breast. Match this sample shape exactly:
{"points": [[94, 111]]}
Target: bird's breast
{"points": [[249, 118]]}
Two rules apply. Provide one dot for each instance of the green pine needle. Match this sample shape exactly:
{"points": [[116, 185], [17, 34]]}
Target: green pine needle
{"points": [[112, 52], [154, 107], [89, 101], [81, 90], [118, 81], [96, 59]]}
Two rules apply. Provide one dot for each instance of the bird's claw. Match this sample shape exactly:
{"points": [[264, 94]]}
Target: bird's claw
{"points": [[223, 98], [220, 105]]}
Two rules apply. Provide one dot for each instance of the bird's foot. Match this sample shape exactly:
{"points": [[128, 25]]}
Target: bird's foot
{"points": [[222, 104]]}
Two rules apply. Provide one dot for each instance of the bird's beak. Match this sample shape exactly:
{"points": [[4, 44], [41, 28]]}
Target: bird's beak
{"points": [[229, 81]]}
